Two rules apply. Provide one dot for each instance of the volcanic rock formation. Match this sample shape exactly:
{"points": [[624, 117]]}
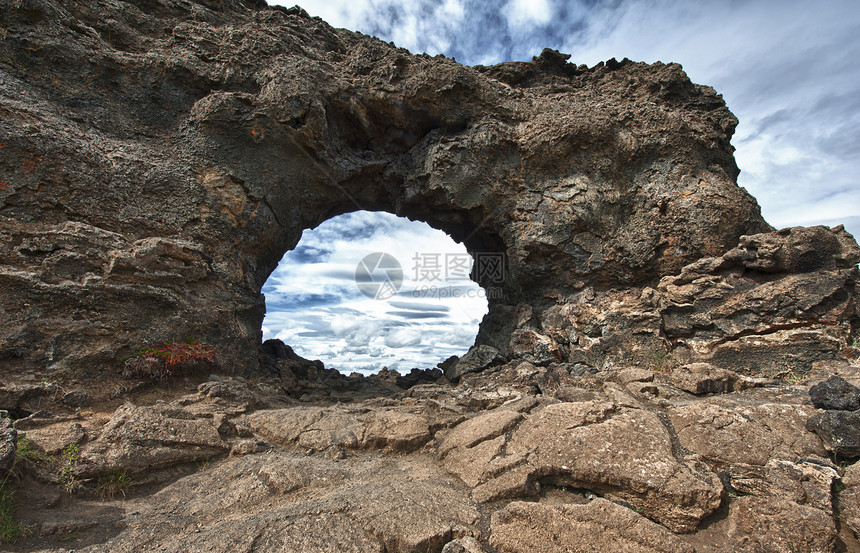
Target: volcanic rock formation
{"points": [[160, 156], [640, 384]]}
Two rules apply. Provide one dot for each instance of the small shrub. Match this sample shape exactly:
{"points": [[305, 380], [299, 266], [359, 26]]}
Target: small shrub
{"points": [[161, 362], [114, 483], [68, 461], [791, 377]]}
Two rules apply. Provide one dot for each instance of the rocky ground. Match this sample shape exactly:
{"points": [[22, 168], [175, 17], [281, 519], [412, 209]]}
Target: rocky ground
{"points": [[519, 458]]}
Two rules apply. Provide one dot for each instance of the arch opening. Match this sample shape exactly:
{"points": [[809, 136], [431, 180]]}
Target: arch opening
{"points": [[368, 290]]}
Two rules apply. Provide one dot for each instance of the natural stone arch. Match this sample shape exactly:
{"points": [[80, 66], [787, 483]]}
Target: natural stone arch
{"points": [[156, 175]]}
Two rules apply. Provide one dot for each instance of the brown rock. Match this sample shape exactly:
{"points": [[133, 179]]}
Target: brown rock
{"points": [[626, 376], [464, 545], [598, 526], [771, 306], [317, 428], [704, 378], [144, 439], [471, 464], [621, 453], [779, 525], [731, 433], [289, 502], [803, 483], [849, 499], [478, 429]]}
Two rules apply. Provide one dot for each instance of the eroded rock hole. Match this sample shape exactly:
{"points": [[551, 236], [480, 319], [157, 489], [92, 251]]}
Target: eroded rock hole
{"points": [[369, 290]]}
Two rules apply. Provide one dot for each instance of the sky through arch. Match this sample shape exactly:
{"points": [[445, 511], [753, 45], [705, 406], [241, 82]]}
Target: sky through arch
{"points": [[330, 298]]}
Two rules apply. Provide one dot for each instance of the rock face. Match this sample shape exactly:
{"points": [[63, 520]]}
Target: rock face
{"points": [[596, 526], [158, 158], [8, 443]]}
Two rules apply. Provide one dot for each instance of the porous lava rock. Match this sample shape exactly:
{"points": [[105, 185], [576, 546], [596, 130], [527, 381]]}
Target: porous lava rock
{"points": [[159, 157]]}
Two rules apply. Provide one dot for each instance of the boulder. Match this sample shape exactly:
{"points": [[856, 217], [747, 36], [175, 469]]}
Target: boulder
{"points": [[476, 359], [138, 440], [291, 502], [804, 483], [622, 453], [467, 544], [835, 393], [839, 430], [318, 429], [704, 378]]}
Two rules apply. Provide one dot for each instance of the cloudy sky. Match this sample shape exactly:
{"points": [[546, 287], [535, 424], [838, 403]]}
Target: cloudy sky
{"points": [[431, 312], [788, 69]]}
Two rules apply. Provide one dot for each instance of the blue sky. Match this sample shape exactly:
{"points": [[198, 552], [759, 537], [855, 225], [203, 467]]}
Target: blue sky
{"points": [[787, 69]]}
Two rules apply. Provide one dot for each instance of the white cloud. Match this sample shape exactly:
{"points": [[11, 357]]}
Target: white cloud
{"points": [[525, 13], [356, 331], [403, 337]]}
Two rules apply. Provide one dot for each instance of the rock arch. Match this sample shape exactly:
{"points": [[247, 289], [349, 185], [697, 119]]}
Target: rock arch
{"points": [[159, 158]]}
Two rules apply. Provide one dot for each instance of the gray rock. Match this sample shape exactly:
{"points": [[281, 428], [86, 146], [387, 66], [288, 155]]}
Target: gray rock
{"points": [[476, 359], [839, 430], [835, 393]]}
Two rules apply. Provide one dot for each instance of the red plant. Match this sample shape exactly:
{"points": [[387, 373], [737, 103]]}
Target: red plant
{"points": [[162, 361]]}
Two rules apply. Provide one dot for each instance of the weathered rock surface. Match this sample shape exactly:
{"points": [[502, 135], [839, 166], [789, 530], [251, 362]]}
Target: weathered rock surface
{"points": [[703, 378], [318, 429], [727, 432], [598, 526], [476, 359], [140, 439], [769, 524], [804, 483], [159, 157], [237, 464], [621, 453], [135, 198]]}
